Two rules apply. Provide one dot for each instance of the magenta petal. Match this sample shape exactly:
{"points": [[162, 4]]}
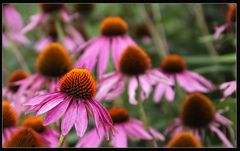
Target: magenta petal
{"points": [[103, 58], [201, 79], [159, 91], [120, 138], [69, 44], [156, 134], [117, 91], [184, 83], [81, 120], [220, 134], [51, 136], [55, 113], [41, 44], [91, 139], [84, 45], [69, 118], [145, 86], [169, 94], [13, 18], [34, 21], [50, 103], [133, 84]]}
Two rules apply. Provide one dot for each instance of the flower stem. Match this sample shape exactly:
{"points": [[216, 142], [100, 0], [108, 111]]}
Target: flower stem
{"points": [[143, 117], [18, 56], [60, 32], [60, 141]]}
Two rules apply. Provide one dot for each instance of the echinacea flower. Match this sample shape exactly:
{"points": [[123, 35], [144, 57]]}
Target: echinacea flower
{"points": [[25, 137], [13, 24], [134, 64], [231, 18], [74, 101], [184, 139], [125, 127], [175, 68], [71, 37], [49, 12], [9, 119], [228, 88], [113, 38], [49, 134], [10, 90], [198, 114], [52, 63]]}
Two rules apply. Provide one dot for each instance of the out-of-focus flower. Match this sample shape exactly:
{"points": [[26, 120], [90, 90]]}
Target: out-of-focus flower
{"points": [[49, 134], [10, 90], [198, 113], [9, 119], [52, 63], [74, 100], [141, 31], [125, 127], [175, 68], [113, 38], [49, 12], [231, 18], [26, 137], [71, 37], [84, 9], [228, 88], [13, 25], [134, 64], [184, 139]]}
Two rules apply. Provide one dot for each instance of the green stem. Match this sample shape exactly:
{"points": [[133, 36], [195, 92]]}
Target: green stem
{"points": [[60, 32], [162, 50], [143, 117], [204, 28], [18, 56], [60, 141]]}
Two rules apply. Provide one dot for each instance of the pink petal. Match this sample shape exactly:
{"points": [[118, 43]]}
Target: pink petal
{"points": [[145, 87], [76, 36], [82, 120], [106, 86], [133, 84], [84, 45], [120, 138], [69, 44], [201, 79], [169, 94], [220, 134], [13, 18], [69, 118], [103, 58], [41, 44], [91, 139], [160, 89], [156, 134], [55, 113], [51, 136], [184, 83], [34, 21], [19, 38], [117, 91]]}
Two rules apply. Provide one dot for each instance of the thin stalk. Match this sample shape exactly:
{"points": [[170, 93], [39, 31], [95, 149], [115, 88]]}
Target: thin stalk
{"points": [[143, 117], [204, 136], [198, 10], [159, 44], [18, 55], [60, 32], [60, 141]]}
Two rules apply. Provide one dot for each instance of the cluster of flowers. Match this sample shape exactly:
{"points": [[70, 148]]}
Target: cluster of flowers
{"points": [[63, 88]]}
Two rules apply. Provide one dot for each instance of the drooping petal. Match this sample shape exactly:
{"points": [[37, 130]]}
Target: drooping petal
{"points": [[201, 79], [220, 134], [169, 94], [159, 91], [117, 91], [103, 58], [50, 103], [34, 21], [81, 120], [133, 84], [41, 44], [184, 83], [13, 18], [55, 113], [69, 118], [69, 44], [120, 138], [156, 134], [145, 87], [40, 98], [52, 136], [91, 139]]}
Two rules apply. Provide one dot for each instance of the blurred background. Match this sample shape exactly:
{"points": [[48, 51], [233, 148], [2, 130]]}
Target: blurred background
{"points": [[185, 29]]}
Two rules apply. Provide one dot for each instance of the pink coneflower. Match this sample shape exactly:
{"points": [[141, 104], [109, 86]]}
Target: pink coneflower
{"points": [[49, 12], [198, 113], [175, 68], [228, 88], [134, 64], [13, 24], [9, 119], [125, 127], [49, 134], [26, 137], [113, 38], [52, 63], [75, 101], [71, 37], [10, 90], [184, 139], [231, 18]]}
